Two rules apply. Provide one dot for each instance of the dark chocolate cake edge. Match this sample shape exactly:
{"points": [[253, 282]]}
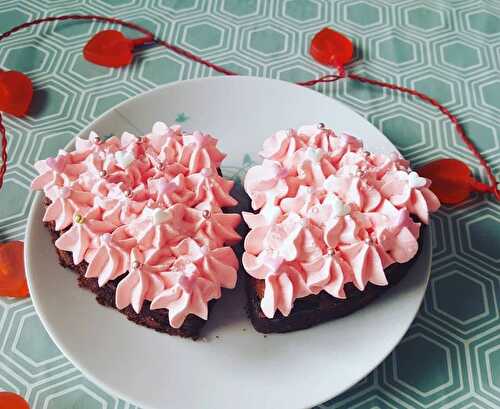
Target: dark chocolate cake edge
{"points": [[315, 309]]}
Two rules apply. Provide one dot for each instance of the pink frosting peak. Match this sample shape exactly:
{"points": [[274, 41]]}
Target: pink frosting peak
{"points": [[354, 189], [284, 281], [269, 182], [187, 292], [328, 272], [395, 230], [94, 144], [165, 148], [304, 200], [199, 151], [292, 239], [65, 202], [210, 188], [281, 146], [59, 171], [214, 229], [407, 189], [282, 289], [313, 166], [317, 136], [157, 227], [343, 144], [367, 261], [83, 234], [328, 213], [146, 210], [219, 265], [168, 192], [269, 214], [112, 258], [141, 283], [120, 210]]}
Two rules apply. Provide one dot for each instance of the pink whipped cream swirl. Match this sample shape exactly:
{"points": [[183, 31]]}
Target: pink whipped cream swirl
{"points": [[147, 210], [328, 213]]}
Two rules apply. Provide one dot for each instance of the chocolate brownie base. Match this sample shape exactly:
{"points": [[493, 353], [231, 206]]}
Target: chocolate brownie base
{"points": [[316, 309]]}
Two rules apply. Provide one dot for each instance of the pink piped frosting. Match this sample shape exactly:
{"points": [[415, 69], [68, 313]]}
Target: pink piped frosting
{"points": [[327, 214], [147, 209]]}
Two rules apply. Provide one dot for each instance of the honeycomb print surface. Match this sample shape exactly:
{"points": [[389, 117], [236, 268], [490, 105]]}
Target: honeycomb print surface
{"points": [[450, 357]]}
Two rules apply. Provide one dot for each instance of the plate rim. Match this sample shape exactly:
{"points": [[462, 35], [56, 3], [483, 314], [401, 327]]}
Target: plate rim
{"points": [[38, 197]]}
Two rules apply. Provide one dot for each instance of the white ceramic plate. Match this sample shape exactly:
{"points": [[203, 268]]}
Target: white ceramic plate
{"points": [[236, 367]]}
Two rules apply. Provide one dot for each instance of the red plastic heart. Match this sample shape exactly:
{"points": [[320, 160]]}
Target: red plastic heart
{"points": [[109, 48], [16, 92], [10, 400], [12, 273], [452, 180], [331, 48]]}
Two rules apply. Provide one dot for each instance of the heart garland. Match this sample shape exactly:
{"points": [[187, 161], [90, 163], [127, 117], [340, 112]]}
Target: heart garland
{"points": [[451, 179], [110, 48]]}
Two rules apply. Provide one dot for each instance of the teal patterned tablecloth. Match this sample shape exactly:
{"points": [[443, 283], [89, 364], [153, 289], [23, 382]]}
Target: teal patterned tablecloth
{"points": [[450, 357]]}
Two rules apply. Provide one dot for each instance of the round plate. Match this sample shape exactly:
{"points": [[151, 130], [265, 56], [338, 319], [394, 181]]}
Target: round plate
{"points": [[236, 366]]}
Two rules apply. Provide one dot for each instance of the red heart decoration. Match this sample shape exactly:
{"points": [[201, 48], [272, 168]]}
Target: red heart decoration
{"points": [[16, 91], [452, 180], [10, 400], [331, 48], [109, 48], [12, 275]]}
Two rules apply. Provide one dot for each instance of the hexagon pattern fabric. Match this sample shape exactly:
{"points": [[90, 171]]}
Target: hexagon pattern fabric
{"points": [[450, 357]]}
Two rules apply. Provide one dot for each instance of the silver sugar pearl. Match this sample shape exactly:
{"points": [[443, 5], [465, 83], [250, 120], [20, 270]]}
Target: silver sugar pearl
{"points": [[136, 264], [103, 173], [128, 193], [321, 125], [205, 214], [97, 140], [160, 166], [330, 251]]}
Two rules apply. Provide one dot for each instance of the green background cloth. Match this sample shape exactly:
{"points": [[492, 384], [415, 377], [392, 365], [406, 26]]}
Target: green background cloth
{"points": [[450, 357]]}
